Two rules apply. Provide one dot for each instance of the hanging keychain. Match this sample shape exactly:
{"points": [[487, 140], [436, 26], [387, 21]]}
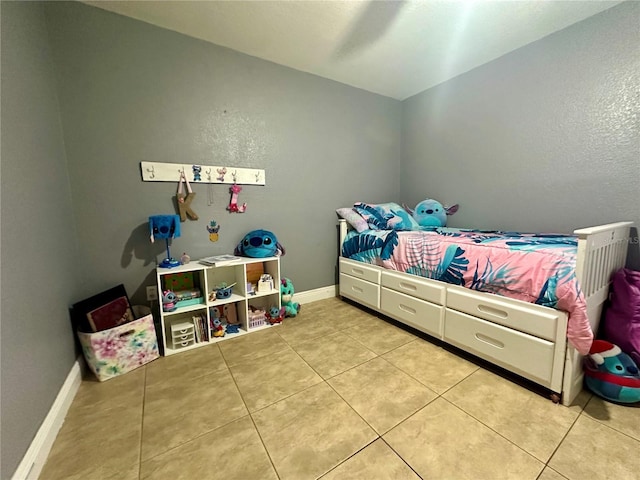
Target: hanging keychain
{"points": [[209, 188], [184, 203]]}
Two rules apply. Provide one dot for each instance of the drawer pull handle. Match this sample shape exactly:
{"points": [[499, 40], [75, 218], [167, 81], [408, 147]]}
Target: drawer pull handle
{"points": [[357, 289], [357, 271], [406, 309], [489, 340], [492, 311], [408, 286]]}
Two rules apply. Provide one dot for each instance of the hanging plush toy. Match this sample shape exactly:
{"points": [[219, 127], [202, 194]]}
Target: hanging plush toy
{"points": [[431, 213], [291, 308]]}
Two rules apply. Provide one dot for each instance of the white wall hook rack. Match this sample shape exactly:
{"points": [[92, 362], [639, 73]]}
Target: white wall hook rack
{"points": [[170, 172]]}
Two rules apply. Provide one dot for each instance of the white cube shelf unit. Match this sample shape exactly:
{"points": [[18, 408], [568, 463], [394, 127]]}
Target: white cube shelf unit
{"points": [[177, 336]]}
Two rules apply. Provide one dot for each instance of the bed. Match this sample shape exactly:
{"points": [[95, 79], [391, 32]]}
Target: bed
{"points": [[466, 288]]}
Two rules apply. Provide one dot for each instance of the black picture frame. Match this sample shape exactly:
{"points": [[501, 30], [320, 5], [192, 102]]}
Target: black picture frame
{"points": [[105, 310]]}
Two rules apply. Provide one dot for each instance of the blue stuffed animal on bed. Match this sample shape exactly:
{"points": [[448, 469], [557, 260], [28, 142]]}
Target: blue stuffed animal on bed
{"points": [[431, 213]]}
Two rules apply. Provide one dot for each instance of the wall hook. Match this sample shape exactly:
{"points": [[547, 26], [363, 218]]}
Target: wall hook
{"points": [[208, 172], [152, 171], [233, 174], [257, 177]]}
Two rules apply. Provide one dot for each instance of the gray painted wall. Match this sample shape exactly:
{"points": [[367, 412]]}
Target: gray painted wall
{"points": [[39, 277], [132, 92], [544, 138]]}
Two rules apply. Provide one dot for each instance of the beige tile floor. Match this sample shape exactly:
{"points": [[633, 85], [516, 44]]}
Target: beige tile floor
{"points": [[335, 393]]}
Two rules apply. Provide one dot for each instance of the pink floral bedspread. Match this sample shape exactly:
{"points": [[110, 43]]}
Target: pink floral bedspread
{"points": [[535, 268]]}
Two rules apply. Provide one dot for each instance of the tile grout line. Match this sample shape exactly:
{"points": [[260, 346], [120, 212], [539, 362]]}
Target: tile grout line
{"points": [[144, 404], [496, 432], [400, 456]]}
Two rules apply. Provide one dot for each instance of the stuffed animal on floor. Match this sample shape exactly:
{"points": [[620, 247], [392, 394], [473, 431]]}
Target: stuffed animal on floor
{"points": [[431, 213], [286, 292], [611, 374]]}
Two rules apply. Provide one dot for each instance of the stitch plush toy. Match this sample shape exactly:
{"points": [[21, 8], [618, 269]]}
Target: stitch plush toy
{"points": [[286, 290], [276, 315], [259, 244], [431, 213]]}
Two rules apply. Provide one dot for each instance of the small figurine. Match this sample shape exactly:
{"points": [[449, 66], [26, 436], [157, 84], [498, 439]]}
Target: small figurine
{"points": [[218, 328], [197, 169], [223, 291], [184, 259], [169, 301], [275, 315], [233, 328]]}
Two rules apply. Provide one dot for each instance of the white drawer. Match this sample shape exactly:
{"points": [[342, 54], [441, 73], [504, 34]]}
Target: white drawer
{"points": [[360, 270], [426, 317], [529, 356], [361, 291], [415, 286], [183, 337], [529, 318], [181, 328], [186, 343]]}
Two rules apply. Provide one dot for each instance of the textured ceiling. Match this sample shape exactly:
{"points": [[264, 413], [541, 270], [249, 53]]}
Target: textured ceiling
{"points": [[394, 48]]}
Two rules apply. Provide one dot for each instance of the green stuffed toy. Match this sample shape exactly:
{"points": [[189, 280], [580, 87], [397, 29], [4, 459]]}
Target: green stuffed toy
{"points": [[286, 293]]}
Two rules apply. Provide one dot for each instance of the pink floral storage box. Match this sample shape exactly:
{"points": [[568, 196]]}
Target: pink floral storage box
{"points": [[119, 350]]}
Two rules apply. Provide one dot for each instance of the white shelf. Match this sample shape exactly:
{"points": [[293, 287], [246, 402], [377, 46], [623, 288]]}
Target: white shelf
{"points": [[187, 309], [205, 278]]}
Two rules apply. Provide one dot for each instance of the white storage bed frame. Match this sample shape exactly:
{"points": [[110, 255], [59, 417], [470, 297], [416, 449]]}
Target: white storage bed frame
{"points": [[526, 339]]}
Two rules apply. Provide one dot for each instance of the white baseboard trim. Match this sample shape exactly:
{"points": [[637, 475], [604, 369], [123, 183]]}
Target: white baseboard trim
{"points": [[33, 461], [321, 293]]}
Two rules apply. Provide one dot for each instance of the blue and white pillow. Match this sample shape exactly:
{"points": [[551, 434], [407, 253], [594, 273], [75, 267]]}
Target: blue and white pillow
{"points": [[386, 216]]}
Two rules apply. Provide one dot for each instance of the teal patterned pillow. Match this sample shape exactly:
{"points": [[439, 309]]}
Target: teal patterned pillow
{"points": [[386, 216]]}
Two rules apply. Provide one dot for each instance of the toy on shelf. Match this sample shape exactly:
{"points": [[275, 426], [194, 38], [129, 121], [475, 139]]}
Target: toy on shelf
{"points": [[257, 317], [184, 259], [233, 328], [168, 301], [286, 292], [218, 328], [265, 284], [611, 373], [259, 244], [165, 227], [275, 315], [222, 291]]}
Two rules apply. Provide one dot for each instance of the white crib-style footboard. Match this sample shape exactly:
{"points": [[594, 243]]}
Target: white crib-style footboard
{"points": [[602, 250]]}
